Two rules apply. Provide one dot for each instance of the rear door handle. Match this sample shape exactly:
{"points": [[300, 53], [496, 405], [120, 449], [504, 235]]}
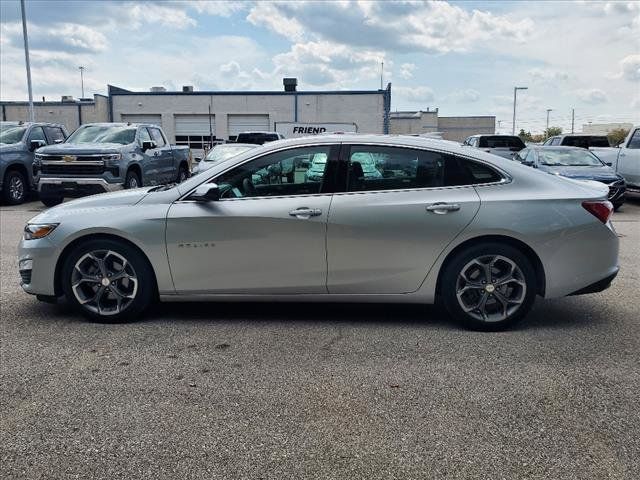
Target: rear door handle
{"points": [[441, 208], [305, 212]]}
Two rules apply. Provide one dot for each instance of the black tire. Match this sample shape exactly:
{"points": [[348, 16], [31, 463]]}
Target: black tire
{"points": [[14, 188], [495, 315], [183, 174], [143, 291], [616, 206], [51, 200], [132, 180]]}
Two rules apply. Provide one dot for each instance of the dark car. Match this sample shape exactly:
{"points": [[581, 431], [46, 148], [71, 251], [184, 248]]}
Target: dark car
{"points": [[258, 138], [576, 163]]}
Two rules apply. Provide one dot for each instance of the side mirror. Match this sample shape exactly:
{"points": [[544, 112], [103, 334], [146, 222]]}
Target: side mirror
{"points": [[609, 164], [197, 159], [59, 140], [528, 164], [148, 145], [207, 192], [36, 144]]}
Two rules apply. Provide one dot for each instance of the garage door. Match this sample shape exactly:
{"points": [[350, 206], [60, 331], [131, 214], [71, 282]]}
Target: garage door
{"points": [[136, 118], [195, 132], [247, 123]]}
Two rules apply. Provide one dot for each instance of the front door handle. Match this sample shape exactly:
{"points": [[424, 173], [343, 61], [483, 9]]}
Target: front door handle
{"points": [[441, 208], [305, 212]]}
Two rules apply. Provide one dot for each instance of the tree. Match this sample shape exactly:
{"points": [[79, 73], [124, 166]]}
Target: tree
{"points": [[524, 136], [552, 131], [617, 136]]}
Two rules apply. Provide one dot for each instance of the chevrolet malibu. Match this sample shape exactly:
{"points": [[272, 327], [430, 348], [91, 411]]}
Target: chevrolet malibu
{"points": [[478, 234]]}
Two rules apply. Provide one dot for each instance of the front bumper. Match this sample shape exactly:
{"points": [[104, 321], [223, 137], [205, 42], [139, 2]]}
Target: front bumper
{"points": [[76, 186], [37, 264]]}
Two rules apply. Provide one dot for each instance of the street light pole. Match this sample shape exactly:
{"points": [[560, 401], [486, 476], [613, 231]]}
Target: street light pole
{"points": [[26, 59], [515, 97], [81, 68], [548, 110]]}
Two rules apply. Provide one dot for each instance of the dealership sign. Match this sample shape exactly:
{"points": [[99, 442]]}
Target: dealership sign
{"points": [[298, 129]]}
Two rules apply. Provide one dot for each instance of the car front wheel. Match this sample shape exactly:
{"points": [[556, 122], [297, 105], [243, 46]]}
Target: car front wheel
{"points": [[489, 286], [108, 281], [14, 188]]}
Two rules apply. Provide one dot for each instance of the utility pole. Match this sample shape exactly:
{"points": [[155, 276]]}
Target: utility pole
{"points": [[548, 110], [499, 125], [515, 98], [32, 116], [381, 75], [81, 68], [573, 118]]}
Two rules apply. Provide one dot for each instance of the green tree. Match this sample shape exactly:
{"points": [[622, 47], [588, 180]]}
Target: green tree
{"points": [[617, 136], [524, 136], [552, 131]]}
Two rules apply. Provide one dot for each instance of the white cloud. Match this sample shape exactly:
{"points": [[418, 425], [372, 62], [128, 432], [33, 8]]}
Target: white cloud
{"points": [[217, 8], [415, 94], [630, 66], [592, 96], [468, 95], [269, 15], [547, 75], [406, 70]]}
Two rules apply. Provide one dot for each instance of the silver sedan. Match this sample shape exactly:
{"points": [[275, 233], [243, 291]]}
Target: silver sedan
{"points": [[481, 235]]}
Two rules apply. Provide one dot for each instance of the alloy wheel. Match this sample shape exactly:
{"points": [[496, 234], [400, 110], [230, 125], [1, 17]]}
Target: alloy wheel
{"points": [[491, 288], [104, 282], [16, 188]]}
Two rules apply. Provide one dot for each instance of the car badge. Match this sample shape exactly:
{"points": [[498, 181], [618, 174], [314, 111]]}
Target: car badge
{"points": [[69, 158]]}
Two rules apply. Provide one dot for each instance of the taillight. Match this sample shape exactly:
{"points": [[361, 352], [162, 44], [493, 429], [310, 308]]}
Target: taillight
{"points": [[602, 210]]}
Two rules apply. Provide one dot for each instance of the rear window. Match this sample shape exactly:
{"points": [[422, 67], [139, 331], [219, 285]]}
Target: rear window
{"points": [[501, 142], [256, 138], [586, 141]]}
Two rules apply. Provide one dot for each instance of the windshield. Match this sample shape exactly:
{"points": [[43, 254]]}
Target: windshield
{"points": [[11, 134], [222, 152], [568, 158], [501, 142], [103, 134]]}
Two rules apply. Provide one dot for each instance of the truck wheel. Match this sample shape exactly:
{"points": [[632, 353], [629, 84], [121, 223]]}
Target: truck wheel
{"points": [[51, 200], [132, 180], [183, 174], [14, 188]]}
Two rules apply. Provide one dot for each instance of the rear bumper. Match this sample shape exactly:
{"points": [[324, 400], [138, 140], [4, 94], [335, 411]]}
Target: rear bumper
{"points": [[598, 286], [76, 186]]}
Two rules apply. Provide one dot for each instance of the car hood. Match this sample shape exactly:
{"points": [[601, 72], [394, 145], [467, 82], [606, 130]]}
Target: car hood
{"points": [[81, 148], [94, 204], [599, 174]]}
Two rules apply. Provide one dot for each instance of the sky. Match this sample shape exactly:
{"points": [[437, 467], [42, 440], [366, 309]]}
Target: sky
{"points": [[462, 57]]}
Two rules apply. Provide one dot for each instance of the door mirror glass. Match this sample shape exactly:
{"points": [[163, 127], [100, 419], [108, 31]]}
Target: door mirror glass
{"points": [[148, 145], [197, 159], [208, 192], [35, 144]]}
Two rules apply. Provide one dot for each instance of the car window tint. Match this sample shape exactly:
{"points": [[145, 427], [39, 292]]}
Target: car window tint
{"points": [[55, 134], [298, 171], [143, 135], [37, 133], [634, 143], [157, 137], [503, 141]]}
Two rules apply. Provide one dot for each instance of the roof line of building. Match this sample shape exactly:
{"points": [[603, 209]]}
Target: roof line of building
{"points": [[113, 90]]}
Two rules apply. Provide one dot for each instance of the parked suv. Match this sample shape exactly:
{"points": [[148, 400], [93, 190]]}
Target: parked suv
{"points": [[102, 157], [502, 145], [18, 141]]}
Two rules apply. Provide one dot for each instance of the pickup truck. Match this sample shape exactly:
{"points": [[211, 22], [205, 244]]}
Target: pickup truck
{"points": [[103, 157], [505, 146], [624, 159], [18, 141]]}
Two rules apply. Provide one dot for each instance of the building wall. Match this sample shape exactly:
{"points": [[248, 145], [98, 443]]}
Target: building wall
{"points": [[409, 123], [363, 109], [604, 128], [459, 128], [69, 114]]}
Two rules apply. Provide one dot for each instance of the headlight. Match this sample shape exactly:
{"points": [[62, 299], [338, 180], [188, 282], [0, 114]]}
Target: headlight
{"points": [[33, 231], [115, 156], [38, 157]]}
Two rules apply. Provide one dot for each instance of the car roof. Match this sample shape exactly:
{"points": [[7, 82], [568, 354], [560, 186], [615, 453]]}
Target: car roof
{"points": [[581, 135], [233, 144], [118, 124], [258, 132], [28, 124], [556, 147], [492, 135]]}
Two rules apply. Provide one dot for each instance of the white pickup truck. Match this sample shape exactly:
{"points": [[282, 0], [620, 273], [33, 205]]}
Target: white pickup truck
{"points": [[624, 159]]}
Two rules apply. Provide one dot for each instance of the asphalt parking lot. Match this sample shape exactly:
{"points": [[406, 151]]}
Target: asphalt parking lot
{"points": [[320, 391]]}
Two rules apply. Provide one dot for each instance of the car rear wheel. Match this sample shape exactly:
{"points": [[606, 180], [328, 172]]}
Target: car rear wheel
{"points": [[489, 286], [14, 188], [108, 281], [183, 174]]}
